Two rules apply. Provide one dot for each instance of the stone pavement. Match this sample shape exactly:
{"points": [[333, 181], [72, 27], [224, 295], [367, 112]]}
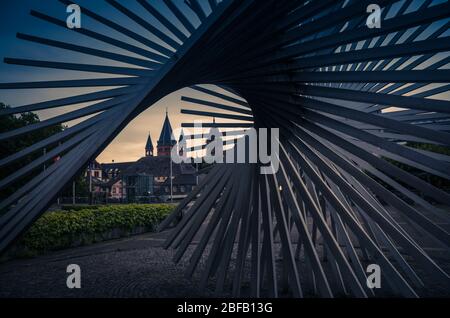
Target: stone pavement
{"points": [[134, 267]]}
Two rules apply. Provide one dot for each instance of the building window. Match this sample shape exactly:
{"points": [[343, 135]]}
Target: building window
{"points": [[167, 189], [175, 189], [183, 189], [96, 174], [114, 190]]}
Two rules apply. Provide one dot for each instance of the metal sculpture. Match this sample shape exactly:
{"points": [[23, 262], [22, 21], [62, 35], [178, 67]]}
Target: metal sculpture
{"points": [[315, 70]]}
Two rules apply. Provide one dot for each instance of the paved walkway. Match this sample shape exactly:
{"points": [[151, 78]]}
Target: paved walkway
{"points": [[132, 267]]}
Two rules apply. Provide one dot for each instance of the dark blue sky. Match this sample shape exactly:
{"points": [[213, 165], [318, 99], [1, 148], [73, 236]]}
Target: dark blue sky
{"points": [[15, 17]]}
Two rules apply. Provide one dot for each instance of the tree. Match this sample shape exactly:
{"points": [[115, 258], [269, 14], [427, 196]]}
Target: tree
{"points": [[13, 145], [81, 186]]}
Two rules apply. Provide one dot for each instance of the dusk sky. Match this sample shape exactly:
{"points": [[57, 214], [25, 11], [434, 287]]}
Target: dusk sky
{"points": [[15, 17], [129, 145]]}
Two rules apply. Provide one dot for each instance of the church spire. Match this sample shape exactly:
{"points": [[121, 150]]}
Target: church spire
{"points": [[149, 146], [165, 141]]}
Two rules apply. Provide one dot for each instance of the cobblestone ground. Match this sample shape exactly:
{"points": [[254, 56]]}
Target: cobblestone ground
{"points": [[133, 267]]}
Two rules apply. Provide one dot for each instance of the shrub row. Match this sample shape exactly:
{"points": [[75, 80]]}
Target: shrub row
{"points": [[62, 229]]}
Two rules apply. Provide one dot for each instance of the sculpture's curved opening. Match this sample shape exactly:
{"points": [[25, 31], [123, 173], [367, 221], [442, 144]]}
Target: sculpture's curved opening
{"points": [[183, 107]]}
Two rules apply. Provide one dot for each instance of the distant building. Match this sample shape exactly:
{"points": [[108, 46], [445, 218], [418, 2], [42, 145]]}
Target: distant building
{"points": [[95, 170], [95, 177], [114, 170], [181, 185], [116, 189], [147, 179]]}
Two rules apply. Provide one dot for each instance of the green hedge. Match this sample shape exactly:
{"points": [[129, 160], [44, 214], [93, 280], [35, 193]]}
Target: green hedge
{"points": [[62, 229]]}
